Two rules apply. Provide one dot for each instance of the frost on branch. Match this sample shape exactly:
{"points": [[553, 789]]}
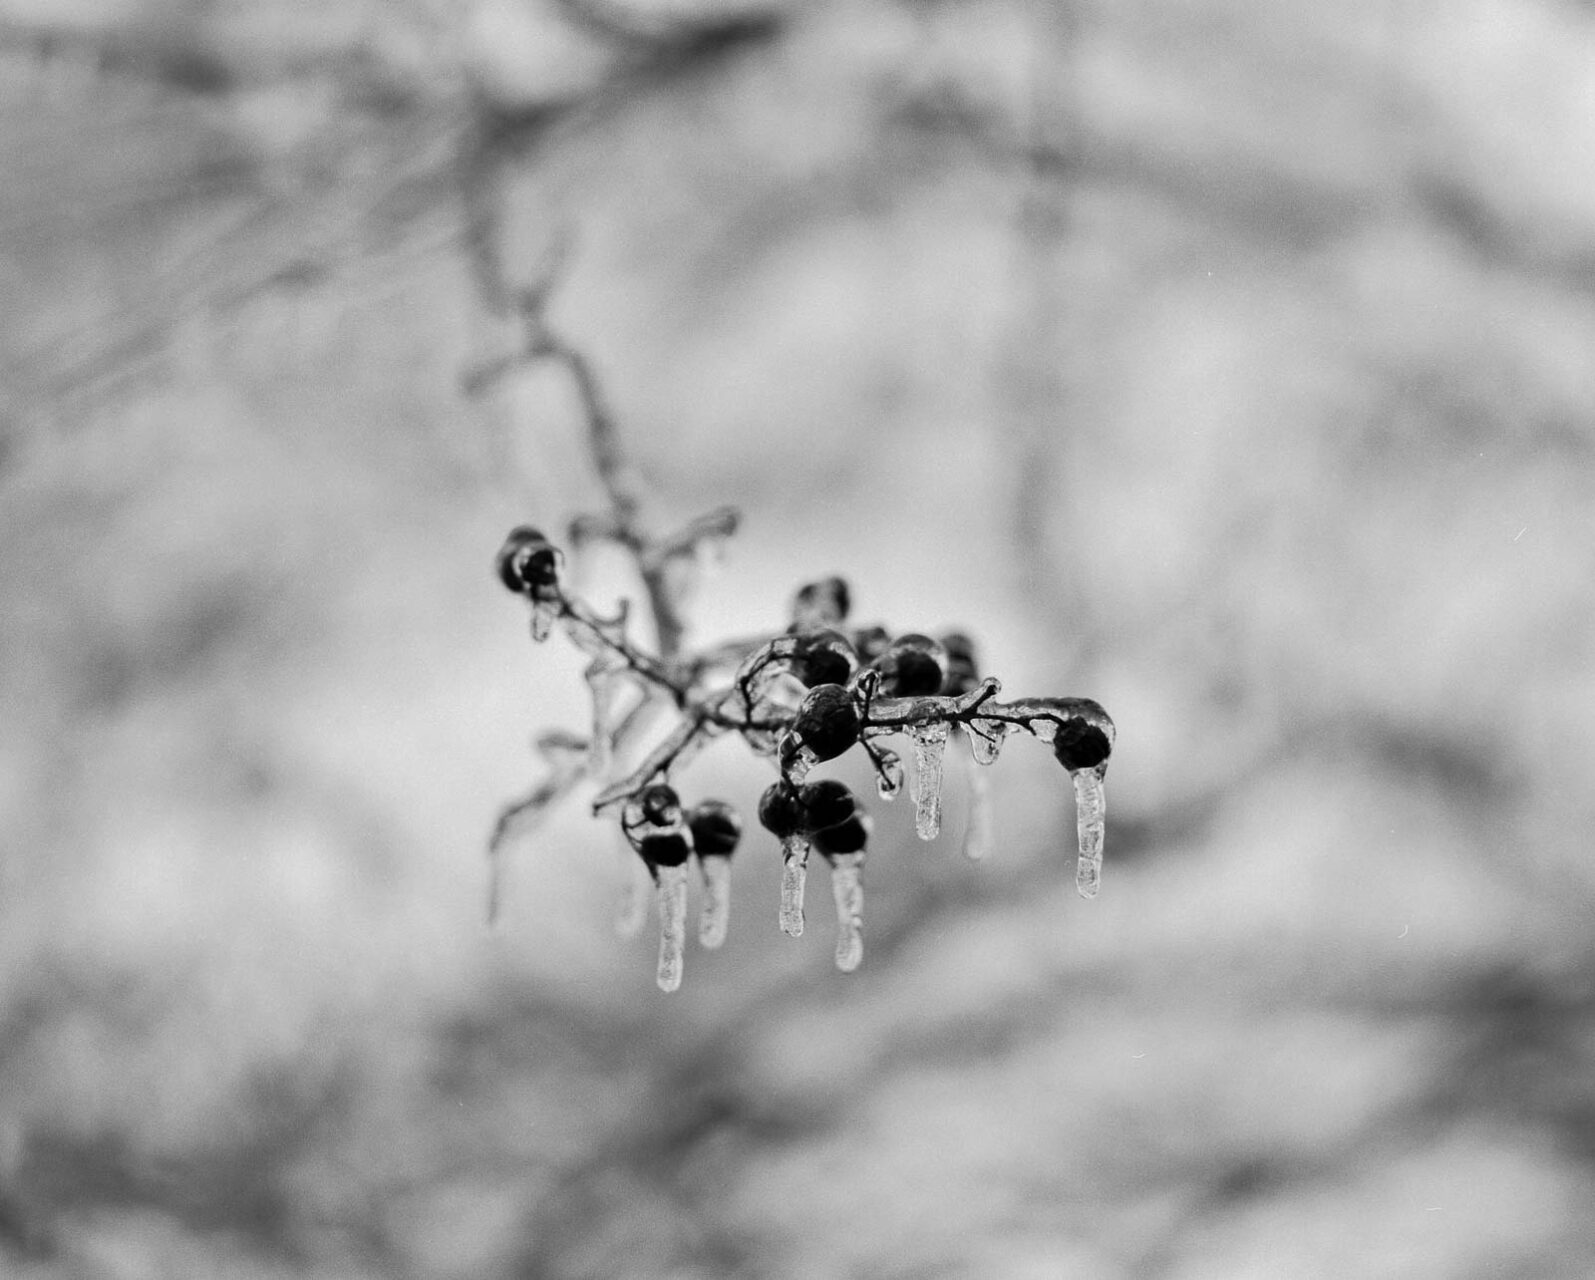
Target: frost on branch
{"points": [[798, 695]]}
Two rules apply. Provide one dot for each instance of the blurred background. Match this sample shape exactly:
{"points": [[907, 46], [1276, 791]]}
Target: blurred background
{"points": [[1228, 361]]}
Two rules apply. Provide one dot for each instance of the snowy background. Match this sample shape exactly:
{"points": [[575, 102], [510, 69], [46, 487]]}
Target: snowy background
{"points": [[1228, 361]]}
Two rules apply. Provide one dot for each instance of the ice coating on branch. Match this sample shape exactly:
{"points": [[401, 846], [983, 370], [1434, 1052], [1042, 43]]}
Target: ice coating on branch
{"points": [[986, 739], [930, 746], [672, 897], [1091, 807], [715, 915], [678, 747], [847, 888], [603, 681], [794, 872], [544, 612], [977, 825]]}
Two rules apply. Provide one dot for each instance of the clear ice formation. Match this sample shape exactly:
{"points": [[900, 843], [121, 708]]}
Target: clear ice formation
{"points": [[977, 825], [603, 680], [986, 739], [1091, 808], [800, 764], [715, 915], [930, 746], [672, 896], [635, 884], [847, 889], [794, 871], [888, 773]]}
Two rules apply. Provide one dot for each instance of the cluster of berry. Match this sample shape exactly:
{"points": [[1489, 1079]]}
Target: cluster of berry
{"points": [[801, 698]]}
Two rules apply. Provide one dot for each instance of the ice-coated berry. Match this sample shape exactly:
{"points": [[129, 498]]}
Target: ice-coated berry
{"points": [[716, 829], [824, 657], [827, 722], [850, 836], [1081, 744], [915, 666], [780, 810], [665, 848], [825, 804], [963, 672], [821, 604], [528, 562], [660, 805]]}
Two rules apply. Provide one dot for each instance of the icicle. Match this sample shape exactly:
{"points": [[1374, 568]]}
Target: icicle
{"points": [[977, 825], [848, 890], [794, 870], [986, 739], [543, 614], [634, 887], [1091, 806], [672, 896], [930, 744], [716, 912]]}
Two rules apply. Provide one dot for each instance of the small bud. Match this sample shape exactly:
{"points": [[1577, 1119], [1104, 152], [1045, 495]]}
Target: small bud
{"points": [[716, 829], [780, 810], [827, 722], [915, 666]]}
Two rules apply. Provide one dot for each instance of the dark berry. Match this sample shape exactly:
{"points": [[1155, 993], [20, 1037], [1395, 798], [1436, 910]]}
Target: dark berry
{"points": [[825, 804], [823, 657], [780, 810], [1082, 740], [665, 848], [963, 672], [528, 562], [846, 837], [915, 666], [822, 604], [716, 829], [827, 721], [660, 805]]}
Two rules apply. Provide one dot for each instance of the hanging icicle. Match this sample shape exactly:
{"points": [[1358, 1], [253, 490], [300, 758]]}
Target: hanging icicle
{"points": [[977, 824], [657, 828], [930, 746], [714, 919], [847, 889], [1091, 807], [794, 874], [635, 889], [716, 831], [672, 894]]}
